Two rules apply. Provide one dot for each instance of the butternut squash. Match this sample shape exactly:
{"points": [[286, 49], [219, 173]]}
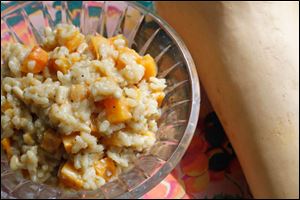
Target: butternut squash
{"points": [[36, 61], [71, 42], [61, 64], [117, 110], [113, 140], [6, 145], [159, 97], [105, 168], [95, 43], [69, 176], [68, 141], [150, 66], [124, 54]]}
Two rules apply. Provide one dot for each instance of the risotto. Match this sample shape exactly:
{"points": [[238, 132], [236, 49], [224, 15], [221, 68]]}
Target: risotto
{"points": [[77, 110]]}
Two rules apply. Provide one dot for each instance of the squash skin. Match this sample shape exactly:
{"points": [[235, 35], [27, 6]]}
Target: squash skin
{"points": [[248, 63]]}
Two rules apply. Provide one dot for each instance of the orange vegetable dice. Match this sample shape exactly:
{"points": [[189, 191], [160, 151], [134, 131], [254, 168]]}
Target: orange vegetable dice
{"points": [[6, 145], [159, 97], [120, 63], [74, 42], [150, 66], [78, 92], [116, 110], [111, 141], [96, 41], [105, 168], [70, 177], [36, 61], [68, 141], [51, 141], [60, 64]]}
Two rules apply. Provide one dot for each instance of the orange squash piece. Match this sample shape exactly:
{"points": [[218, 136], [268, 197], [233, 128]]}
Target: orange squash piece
{"points": [[74, 42], [117, 110], [70, 177], [38, 58], [68, 141], [159, 98], [71, 42], [150, 66], [63, 65], [120, 64], [105, 168], [6, 145], [111, 141], [96, 41]]}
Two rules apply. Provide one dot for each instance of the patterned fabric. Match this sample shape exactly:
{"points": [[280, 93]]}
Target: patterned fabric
{"points": [[209, 169]]}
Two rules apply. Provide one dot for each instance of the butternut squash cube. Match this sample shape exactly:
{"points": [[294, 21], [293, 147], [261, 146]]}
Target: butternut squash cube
{"points": [[70, 177], [117, 110], [60, 64], [71, 42], [111, 141], [105, 168], [159, 97], [36, 61], [150, 66], [121, 61], [6, 145], [68, 141]]}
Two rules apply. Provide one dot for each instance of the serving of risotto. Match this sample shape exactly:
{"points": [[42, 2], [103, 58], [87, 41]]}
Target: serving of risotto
{"points": [[77, 110]]}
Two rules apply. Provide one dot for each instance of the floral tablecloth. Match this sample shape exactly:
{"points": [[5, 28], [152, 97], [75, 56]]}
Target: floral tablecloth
{"points": [[192, 178], [209, 168]]}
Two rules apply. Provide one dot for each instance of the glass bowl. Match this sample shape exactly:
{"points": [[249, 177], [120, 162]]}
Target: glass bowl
{"points": [[147, 33]]}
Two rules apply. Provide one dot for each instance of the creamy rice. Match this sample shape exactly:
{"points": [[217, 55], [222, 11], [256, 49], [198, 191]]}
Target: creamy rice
{"points": [[78, 108]]}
